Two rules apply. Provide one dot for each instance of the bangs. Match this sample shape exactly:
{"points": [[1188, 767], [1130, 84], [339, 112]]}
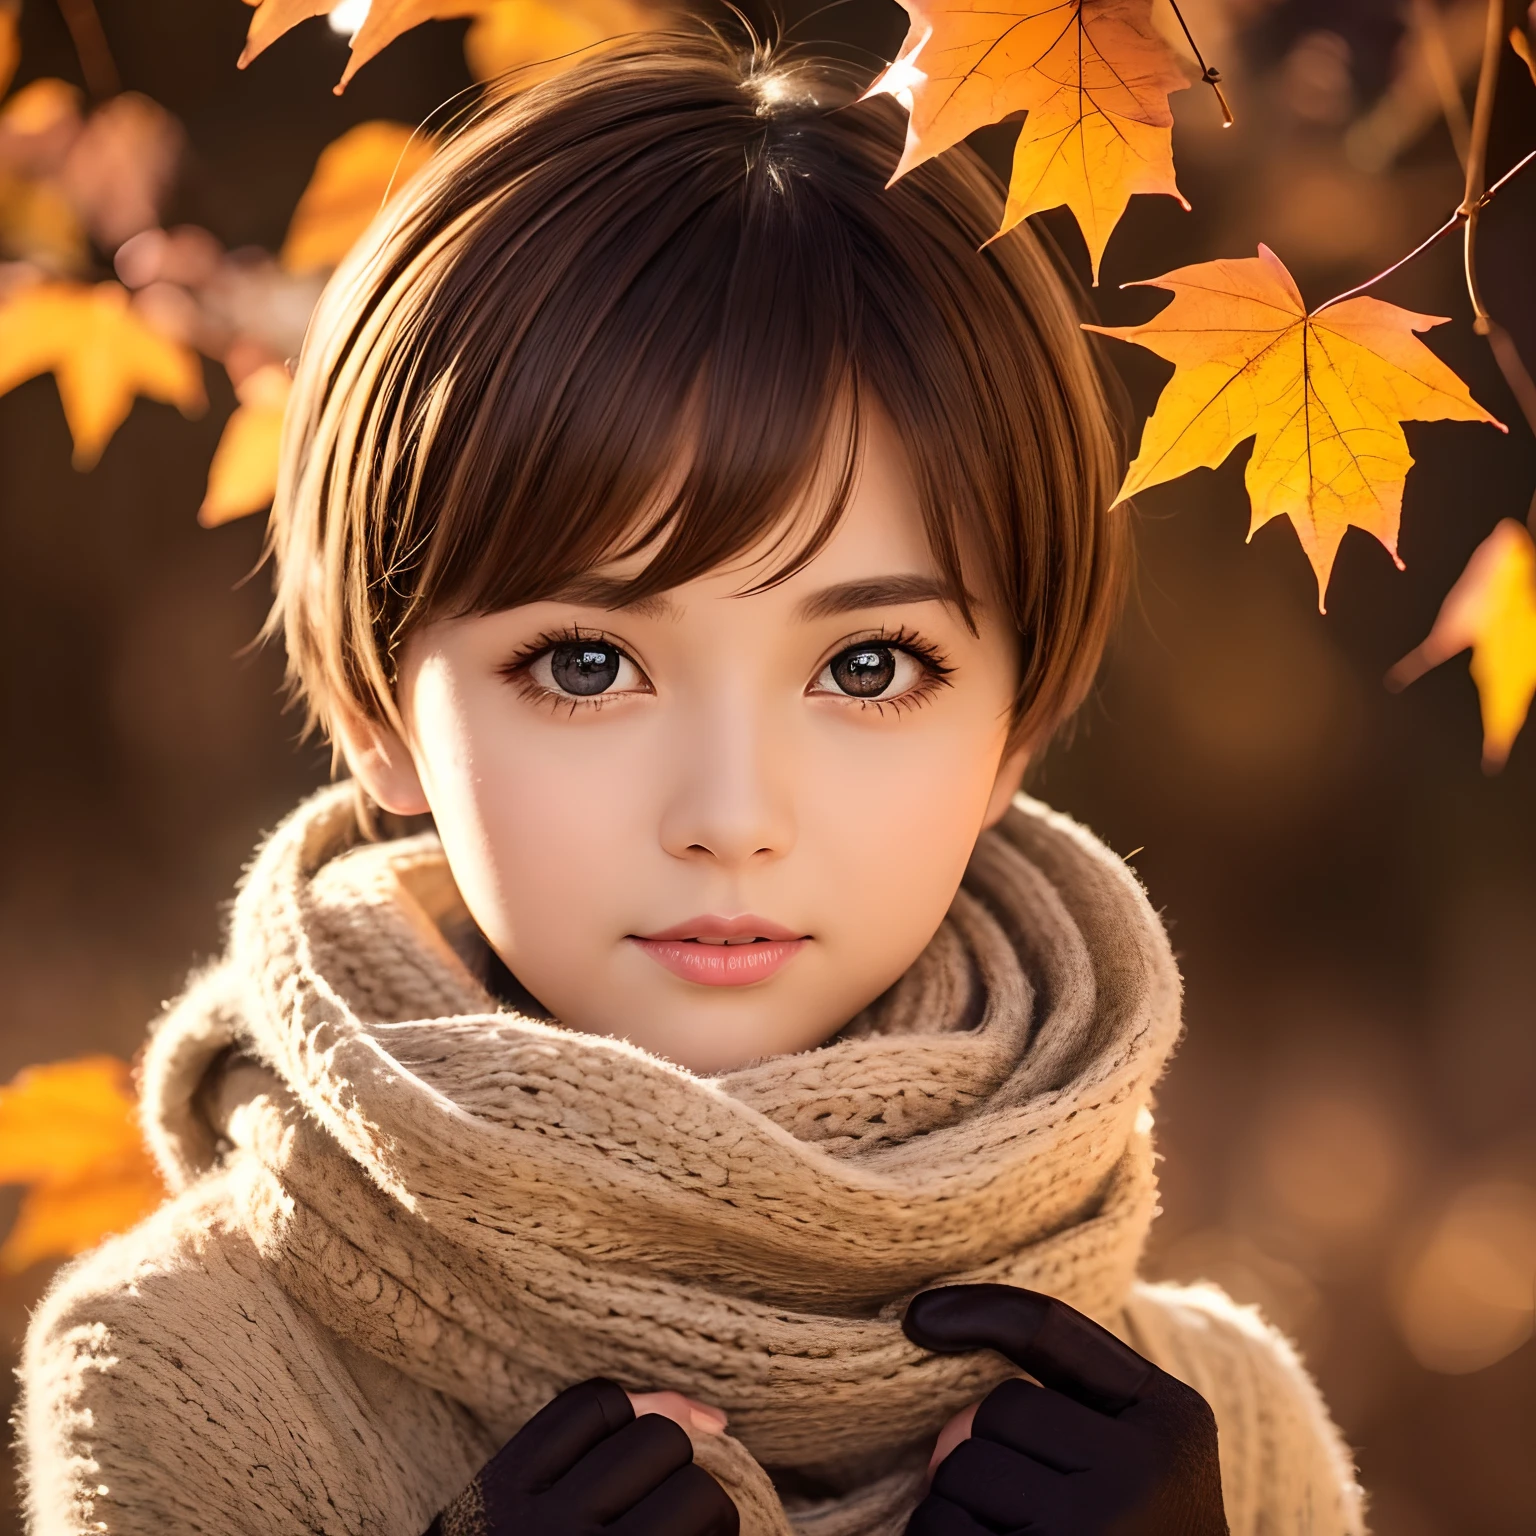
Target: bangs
{"points": [[645, 309], [673, 372]]}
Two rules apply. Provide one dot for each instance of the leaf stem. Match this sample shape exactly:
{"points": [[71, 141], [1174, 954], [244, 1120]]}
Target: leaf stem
{"points": [[97, 65], [1209, 74]]}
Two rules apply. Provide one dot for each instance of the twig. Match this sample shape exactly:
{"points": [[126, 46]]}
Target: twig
{"points": [[1507, 355], [1402, 261], [1208, 72], [1477, 157], [96, 62], [1451, 223]]}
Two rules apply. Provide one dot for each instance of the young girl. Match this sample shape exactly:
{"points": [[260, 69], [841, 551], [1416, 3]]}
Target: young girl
{"points": [[704, 536]]}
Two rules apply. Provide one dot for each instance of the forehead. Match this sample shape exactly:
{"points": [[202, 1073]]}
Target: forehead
{"points": [[876, 551]]}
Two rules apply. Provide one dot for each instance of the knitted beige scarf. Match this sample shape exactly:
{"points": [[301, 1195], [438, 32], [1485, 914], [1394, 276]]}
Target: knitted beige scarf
{"points": [[499, 1207]]}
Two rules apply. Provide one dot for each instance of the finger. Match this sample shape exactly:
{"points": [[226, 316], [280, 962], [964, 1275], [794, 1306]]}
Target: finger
{"points": [[958, 1429], [938, 1517], [1053, 1429], [689, 1503], [1055, 1343], [560, 1434], [999, 1487], [620, 1471], [683, 1411]]}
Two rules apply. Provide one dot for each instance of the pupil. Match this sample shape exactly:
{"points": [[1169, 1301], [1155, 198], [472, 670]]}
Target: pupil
{"points": [[865, 672], [581, 667]]}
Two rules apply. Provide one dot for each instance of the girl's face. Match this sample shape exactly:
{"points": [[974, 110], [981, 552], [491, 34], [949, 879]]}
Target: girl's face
{"points": [[714, 825]]}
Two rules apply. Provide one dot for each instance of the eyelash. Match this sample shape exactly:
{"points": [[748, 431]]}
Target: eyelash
{"points": [[517, 669], [936, 669]]}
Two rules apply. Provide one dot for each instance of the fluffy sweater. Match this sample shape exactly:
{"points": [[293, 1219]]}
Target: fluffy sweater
{"points": [[405, 1217]]}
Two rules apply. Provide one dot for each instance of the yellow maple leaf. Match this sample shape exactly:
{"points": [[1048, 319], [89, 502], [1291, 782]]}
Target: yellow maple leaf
{"points": [[1492, 610], [243, 475], [353, 178], [70, 1131], [101, 354], [1323, 395], [1093, 76]]}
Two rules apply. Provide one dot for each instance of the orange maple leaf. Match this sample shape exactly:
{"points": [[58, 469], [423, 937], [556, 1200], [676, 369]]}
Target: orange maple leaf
{"points": [[101, 354], [1322, 394], [1492, 610], [563, 26], [353, 178], [70, 1131], [243, 475], [1093, 75]]}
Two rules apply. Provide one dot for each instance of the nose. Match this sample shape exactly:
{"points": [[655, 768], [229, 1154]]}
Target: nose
{"points": [[729, 801]]}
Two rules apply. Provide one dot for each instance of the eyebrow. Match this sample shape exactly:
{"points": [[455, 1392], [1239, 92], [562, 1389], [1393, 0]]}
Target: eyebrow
{"points": [[845, 597], [876, 592], [599, 592]]}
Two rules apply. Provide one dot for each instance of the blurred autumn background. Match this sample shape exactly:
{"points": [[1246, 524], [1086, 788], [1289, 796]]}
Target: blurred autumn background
{"points": [[1350, 1131]]}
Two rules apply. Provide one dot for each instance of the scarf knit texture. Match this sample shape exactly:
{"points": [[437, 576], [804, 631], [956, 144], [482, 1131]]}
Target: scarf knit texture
{"points": [[405, 1217]]}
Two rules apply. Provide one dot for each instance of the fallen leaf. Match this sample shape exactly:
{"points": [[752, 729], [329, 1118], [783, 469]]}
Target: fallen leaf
{"points": [[69, 1129], [353, 178], [101, 354], [1492, 610], [524, 34], [1092, 75], [10, 43], [1322, 395], [243, 475]]}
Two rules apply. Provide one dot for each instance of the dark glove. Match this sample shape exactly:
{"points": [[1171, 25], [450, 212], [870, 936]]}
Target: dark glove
{"points": [[584, 1465], [1108, 1445]]}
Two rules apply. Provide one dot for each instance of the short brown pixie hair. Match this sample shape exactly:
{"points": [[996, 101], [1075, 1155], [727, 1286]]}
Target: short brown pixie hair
{"points": [[640, 307]]}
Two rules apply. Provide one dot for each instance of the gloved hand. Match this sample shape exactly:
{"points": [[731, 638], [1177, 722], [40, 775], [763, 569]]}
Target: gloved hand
{"points": [[1108, 1445], [584, 1465]]}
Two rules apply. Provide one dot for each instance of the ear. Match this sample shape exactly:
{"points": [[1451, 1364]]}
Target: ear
{"points": [[1010, 775], [381, 761]]}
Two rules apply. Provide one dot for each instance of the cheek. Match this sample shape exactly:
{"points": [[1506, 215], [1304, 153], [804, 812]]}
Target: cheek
{"points": [[895, 814], [532, 818]]}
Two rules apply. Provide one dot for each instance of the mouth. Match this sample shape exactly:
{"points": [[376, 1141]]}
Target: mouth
{"points": [[723, 951]]}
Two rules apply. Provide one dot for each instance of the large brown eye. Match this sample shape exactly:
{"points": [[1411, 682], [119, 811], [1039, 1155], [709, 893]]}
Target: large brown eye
{"points": [[864, 671], [584, 667]]}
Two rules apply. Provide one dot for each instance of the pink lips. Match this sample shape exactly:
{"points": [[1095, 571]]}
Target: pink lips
{"points": [[723, 951]]}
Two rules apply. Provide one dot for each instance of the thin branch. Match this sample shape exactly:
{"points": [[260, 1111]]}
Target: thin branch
{"points": [[1507, 355], [96, 62], [1477, 157], [1402, 261], [1209, 74], [1451, 223]]}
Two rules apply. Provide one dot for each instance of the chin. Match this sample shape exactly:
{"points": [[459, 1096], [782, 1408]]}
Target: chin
{"points": [[721, 1039]]}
